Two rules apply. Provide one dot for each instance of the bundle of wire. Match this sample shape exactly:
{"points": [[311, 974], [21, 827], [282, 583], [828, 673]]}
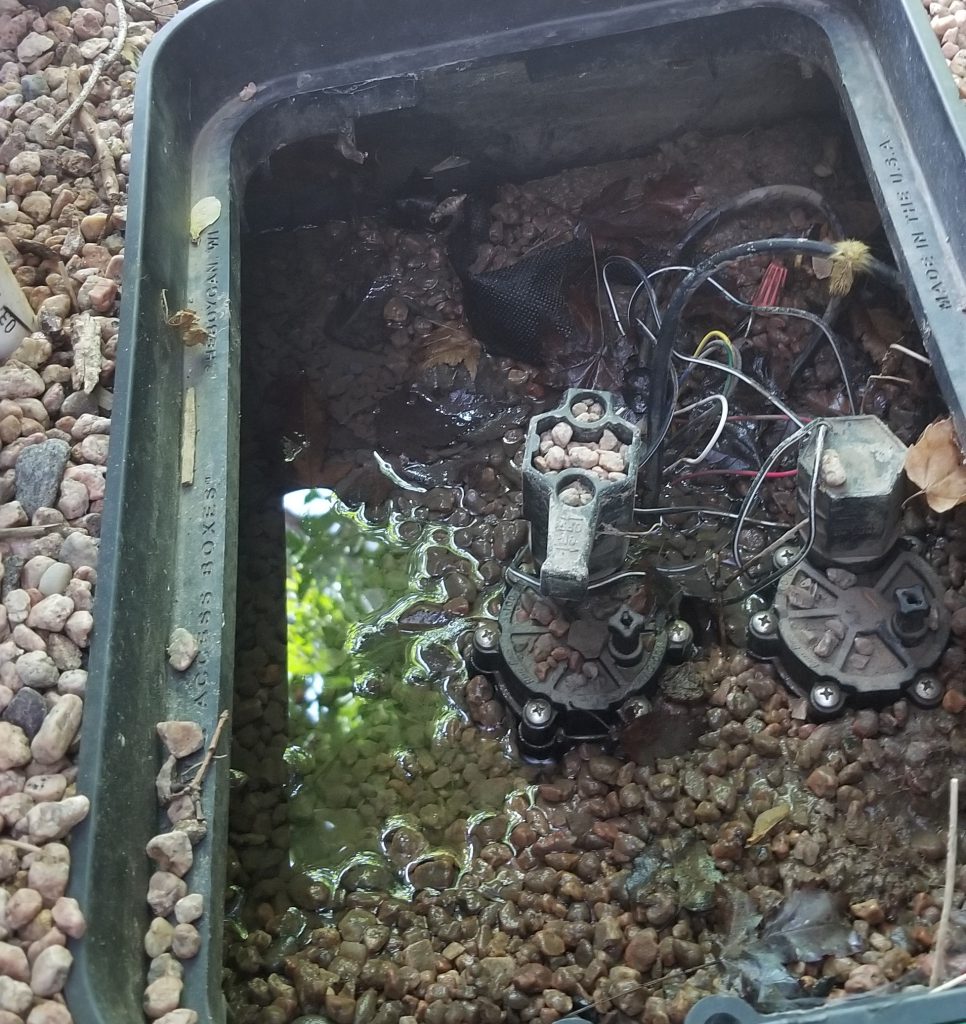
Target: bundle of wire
{"points": [[658, 332]]}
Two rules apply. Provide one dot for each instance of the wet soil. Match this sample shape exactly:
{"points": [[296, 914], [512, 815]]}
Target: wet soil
{"points": [[392, 857]]}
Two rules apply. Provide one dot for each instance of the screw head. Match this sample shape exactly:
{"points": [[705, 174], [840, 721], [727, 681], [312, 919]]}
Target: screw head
{"points": [[486, 638], [785, 556], [826, 696], [679, 633], [927, 691], [537, 712], [635, 708], [763, 623]]}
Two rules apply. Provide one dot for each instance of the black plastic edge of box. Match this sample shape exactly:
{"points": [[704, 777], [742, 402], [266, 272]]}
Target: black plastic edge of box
{"points": [[168, 549]]}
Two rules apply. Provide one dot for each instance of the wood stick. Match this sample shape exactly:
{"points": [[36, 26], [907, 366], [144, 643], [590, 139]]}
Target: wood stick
{"points": [[88, 123], [947, 985], [21, 846], [100, 62], [194, 786], [952, 841]]}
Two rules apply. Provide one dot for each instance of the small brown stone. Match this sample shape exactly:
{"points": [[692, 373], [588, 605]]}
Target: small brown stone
{"points": [[533, 978], [822, 782], [641, 951]]}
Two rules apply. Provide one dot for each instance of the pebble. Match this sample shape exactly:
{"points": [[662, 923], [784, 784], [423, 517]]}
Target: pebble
{"points": [[32, 46], [22, 907], [171, 851], [48, 1011], [13, 962], [185, 941], [50, 970], [823, 782], [55, 736], [67, 915], [15, 996], [37, 670], [14, 746], [189, 908], [19, 381], [181, 1016], [54, 820], [39, 470], [165, 889], [182, 649], [157, 939], [642, 951], [51, 613], [162, 996], [181, 738], [79, 551], [48, 872]]}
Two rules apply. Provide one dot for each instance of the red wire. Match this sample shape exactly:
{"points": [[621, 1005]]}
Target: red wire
{"points": [[783, 474]]}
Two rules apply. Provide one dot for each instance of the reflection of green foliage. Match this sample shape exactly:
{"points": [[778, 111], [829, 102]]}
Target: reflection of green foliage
{"points": [[372, 736], [349, 704]]}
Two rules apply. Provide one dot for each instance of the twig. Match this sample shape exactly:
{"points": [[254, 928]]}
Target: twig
{"points": [[18, 845], [88, 123], [946, 985], [29, 532], [896, 347], [194, 787], [97, 69], [952, 841]]}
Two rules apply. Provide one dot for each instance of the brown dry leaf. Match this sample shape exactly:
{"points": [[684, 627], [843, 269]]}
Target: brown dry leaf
{"points": [[935, 465], [766, 821], [187, 322], [450, 346]]}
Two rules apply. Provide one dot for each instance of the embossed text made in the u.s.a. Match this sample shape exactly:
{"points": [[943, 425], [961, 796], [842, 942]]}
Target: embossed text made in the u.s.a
{"points": [[895, 175]]}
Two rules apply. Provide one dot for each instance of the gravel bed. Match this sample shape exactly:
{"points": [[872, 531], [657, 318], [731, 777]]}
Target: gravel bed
{"points": [[948, 21], [62, 220]]}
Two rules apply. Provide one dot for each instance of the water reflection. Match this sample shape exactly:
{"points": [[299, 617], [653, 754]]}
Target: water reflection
{"points": [[378, 754]]}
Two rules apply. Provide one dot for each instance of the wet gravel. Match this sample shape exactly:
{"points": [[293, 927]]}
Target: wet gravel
{"points": [[476, 887], [948, 21]]}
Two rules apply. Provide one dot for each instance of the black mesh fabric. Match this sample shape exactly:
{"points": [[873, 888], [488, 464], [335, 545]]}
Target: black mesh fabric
{"points": [[515, 309]]}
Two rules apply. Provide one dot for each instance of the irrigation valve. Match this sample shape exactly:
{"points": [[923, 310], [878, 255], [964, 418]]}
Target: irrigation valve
{"points": [[861, 618], [586, 630], [583, 632]]}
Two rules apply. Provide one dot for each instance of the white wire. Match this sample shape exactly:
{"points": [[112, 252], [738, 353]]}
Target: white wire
{"points": [[719, 429], [745, 379]]}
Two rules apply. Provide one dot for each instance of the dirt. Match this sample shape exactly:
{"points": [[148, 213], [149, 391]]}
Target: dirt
{"points": [[393, 858]]}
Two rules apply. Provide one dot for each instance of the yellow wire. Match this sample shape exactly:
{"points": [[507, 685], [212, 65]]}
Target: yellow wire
{"points": [[715, 336]]}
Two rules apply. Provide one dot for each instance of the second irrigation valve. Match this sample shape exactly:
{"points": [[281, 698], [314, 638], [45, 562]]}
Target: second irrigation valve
{"points": [[579, 477]]}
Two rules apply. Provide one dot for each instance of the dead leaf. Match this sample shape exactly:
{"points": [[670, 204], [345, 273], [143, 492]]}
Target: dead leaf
{"points": [[766, 821], [450, 346], [935, 465], [203, 214], [189, 326], [821, 267], [85, 340]]}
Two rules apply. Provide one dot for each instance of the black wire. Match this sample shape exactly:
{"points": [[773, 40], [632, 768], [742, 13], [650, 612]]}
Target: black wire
{"points": [[758, 197], [682, 294]]}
